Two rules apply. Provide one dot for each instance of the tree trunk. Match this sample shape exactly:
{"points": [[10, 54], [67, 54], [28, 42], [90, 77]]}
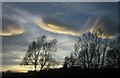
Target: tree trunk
{"points": [[35, 64]]}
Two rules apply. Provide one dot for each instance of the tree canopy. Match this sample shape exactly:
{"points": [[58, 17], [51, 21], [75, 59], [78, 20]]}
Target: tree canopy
{"points": [[39, 54]]}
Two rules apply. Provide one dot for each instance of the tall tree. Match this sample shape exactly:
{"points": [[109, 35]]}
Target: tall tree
{"points": [[91, 48], [39, 53]]}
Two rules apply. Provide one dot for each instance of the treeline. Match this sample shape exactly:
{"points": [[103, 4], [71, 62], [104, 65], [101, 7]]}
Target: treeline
{"points": [[93, 50]]}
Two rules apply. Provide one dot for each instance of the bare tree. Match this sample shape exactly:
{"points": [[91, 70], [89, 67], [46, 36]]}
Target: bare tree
{"points": [[39, 53], [113, 55], [90, 49], [66, 61], [70, 60]]}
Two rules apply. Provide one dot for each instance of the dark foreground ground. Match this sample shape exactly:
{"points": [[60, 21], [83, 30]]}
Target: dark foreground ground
{"points": [[75, 72]]}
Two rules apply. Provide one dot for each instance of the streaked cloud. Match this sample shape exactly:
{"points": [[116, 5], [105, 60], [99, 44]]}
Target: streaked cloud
{"points": [[56, 28], [12, 30], [108, 26]]}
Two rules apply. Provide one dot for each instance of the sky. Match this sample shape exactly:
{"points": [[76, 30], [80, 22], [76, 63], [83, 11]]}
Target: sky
{"points": [[23, 22]]}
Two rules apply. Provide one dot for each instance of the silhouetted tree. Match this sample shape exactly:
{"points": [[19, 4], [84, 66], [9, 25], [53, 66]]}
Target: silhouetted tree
{"points": [[91, 48], [70, 60], [65, 65], [113, 55], [39, 53]]}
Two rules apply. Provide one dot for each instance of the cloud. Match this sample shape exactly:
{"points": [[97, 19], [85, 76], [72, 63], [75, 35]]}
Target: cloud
{"points": [[56, 26], [10, 28], [11, 31], [76, 19], [57, 29], [108, 24]]}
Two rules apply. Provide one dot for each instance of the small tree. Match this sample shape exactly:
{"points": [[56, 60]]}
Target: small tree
{"points": [[65, 65], [39, 53], [70, 60]]}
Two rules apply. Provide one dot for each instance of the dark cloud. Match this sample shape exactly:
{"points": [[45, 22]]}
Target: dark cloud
{"points": [[60, 26], [10, 28], [109, 24]]}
